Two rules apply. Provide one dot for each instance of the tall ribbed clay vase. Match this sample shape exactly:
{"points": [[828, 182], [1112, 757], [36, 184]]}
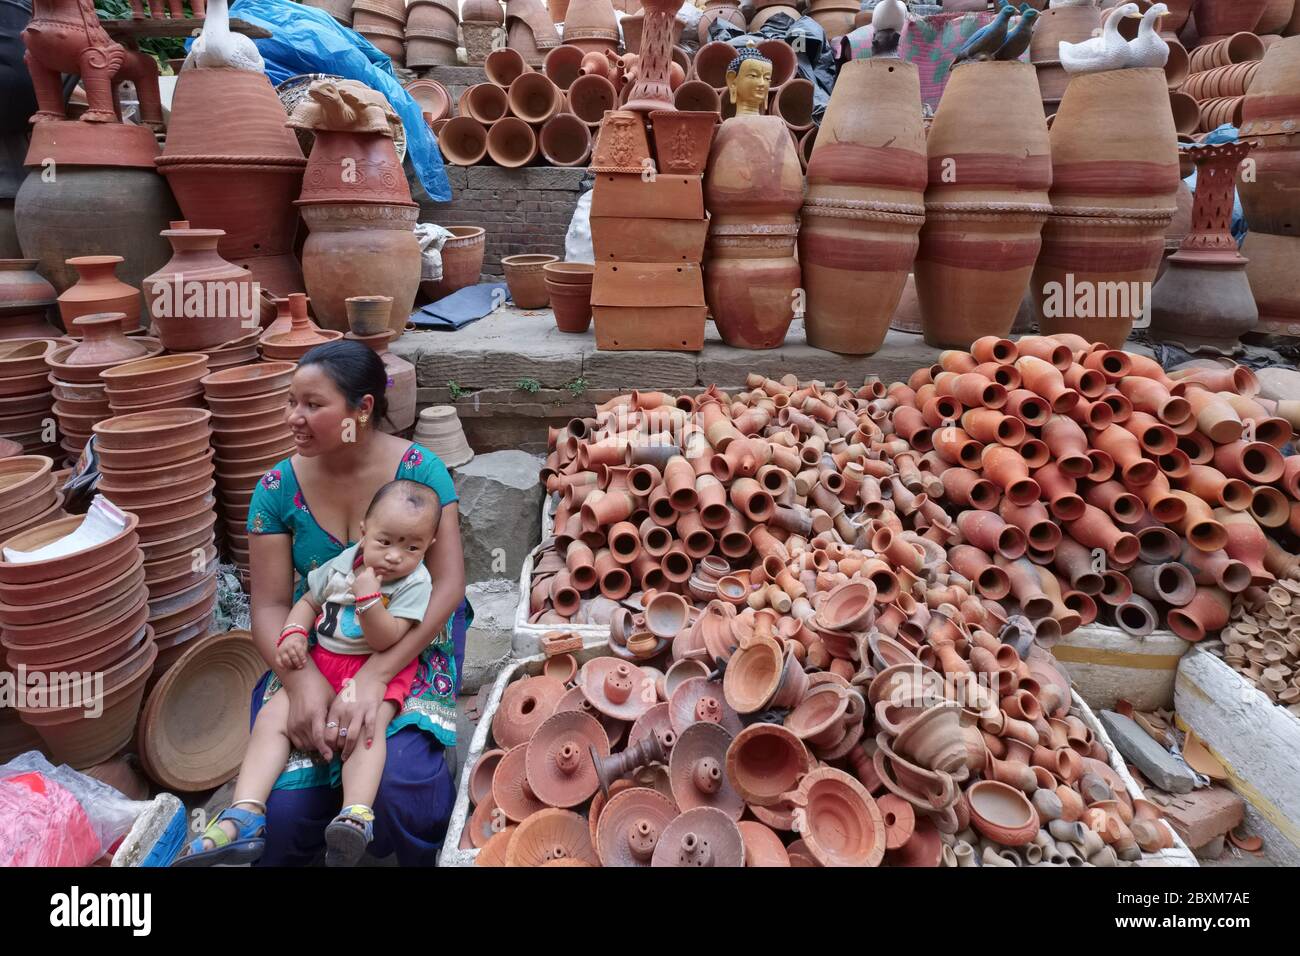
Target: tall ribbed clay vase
{"points": [[990, 171], [1114, 193], [1271, 118], [753, 190], [864, 207]]}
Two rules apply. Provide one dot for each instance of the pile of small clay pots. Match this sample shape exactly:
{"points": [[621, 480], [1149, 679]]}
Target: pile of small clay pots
{"points": [[1261, 643]]}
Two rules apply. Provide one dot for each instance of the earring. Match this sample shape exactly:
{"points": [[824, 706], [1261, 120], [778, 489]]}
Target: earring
{"points": [[364, 419]]}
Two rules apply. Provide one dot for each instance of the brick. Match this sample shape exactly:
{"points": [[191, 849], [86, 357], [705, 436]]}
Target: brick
{"points": [[1202, 815]]}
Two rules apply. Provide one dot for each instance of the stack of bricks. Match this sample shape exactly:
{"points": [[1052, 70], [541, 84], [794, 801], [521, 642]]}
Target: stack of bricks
{"points": [[648, 232]]}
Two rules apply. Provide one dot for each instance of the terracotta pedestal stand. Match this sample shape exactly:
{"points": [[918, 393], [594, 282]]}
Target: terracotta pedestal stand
{"points": [[1204, 302]]}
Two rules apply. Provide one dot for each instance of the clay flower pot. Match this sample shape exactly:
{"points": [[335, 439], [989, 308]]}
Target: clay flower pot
{"points": [[682, 140], [571, 301], [462, 261], [463, 141], [511, 143], [526, 280], [97, 290], [565, 140], [369, 314], [590, 97], [534, 98]]}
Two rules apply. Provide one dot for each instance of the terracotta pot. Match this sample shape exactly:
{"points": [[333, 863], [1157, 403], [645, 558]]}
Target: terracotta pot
{"points": [[565, 140], [999, 202], [99, 290], [534, 98], [682, 140], [25, 300], [511, 143], [196, 273], [590, 97], [362, 249], [1272, 197], [844, 826], [753, 190], [1072, 24], [462, 261], [463, 141], [591, 26], [1237, 48], [369, 314], [696, 96], [233, 165], [1106, 227], [1002, 813], [1218, 18], [865, 203]]}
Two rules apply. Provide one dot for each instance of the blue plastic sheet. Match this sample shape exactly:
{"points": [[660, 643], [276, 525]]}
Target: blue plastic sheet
{"points": [[308, 40], [462, 307]]}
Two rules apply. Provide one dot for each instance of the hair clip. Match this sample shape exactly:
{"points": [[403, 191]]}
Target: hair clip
{"points": [[389, 384]]}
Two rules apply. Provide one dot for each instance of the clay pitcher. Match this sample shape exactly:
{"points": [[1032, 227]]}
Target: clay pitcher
{"points": [[1271, 198], [1114, 193], [753, 190], [865, 204], [990, 171]]}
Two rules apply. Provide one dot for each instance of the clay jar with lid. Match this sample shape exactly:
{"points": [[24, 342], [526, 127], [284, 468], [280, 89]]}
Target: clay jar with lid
{"points": [[753, 191], [98, 289], [25, 301], [199, 300]]}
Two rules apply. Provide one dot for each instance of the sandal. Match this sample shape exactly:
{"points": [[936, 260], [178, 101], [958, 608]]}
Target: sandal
{"points": [[247, 847], [348, 835]]}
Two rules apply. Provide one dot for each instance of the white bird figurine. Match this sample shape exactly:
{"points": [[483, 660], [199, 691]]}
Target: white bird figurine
{"points": [[1149, 48], [887, 22], [1106, 52], [217, 48]]}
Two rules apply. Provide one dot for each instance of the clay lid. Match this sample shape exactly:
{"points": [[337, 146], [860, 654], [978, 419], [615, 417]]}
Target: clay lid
{"points": [[704, 836], [762, 845], [195, 727], [654, 721], [510, 789], [494, 851], [617, 688], [841, 823], [699, 699], [558, 762], [551, 835], [524, 705], [697, 770], [574, 700], [630, 825], [597, 805], [765, 761], [146, 430], [480, 778]]}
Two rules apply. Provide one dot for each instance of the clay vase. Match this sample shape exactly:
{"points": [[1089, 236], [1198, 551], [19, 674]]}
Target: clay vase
{"points": [[353, 167], [1275, 286], [462, 262], [864, 207], [25, 301], [570, 301], [233, 165], [1114, 189], [98, 289], [653, 89], [984, 219], [368, 315], [1204, 302], [198, 300], [591, 26], [753, 191], [526, 280], [103, 342], [1271, 199], [1072, 24]]}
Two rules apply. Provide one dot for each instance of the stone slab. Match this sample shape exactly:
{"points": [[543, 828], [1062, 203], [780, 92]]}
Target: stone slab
{"points": [[1159, 766], [498, 491], [488, 642]]}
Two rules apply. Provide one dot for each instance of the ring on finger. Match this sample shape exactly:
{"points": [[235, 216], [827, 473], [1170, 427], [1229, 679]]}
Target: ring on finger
{"points": [[343, 732], [332, 724]]}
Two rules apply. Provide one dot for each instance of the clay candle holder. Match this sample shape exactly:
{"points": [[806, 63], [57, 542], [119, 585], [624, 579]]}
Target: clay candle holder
{"points": [[559, 761], [630, 826], [696, 770], [700, 837]]}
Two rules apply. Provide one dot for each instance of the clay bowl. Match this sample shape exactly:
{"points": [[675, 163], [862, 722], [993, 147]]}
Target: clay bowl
{"points": [[22, 477], [24, 422], [184, 607], [180, 370], [79, 391], [232, 470], [195, 726], [81, 742], [54, 512], [77, 626], [819, 718], [277, 430], [137, 459], [849, 606], [247, 405], [30, 383], [18, 405], [69, 588], [72, 604], [169, 567], [570, 273], [76, 420], [90, 373], [243, 424], [194, 400], [42, 655], [160, 479], [935, 739], [183, 633], [25, 356], [141, 500], [765, 761], [174, 584], [35, 572], [843, 825], [147, 430], [153, 534], [176, 507], [125, 644], [37, 503], [480, 780], [1002, 813], [753, 675], [153, 394], [245, 380]]}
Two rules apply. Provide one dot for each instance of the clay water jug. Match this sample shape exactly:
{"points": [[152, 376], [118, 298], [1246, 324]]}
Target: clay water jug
{"points": [[25, 301], [98, 289], [864, 207], [198, 300]]}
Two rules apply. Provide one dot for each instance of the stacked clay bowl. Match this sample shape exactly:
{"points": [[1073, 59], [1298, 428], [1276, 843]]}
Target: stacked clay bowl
{"points": [[82, 613], [154, 384], [439, 430], [242, 351], [26, 398], [158, 466], [29, 493], [250, 434]]}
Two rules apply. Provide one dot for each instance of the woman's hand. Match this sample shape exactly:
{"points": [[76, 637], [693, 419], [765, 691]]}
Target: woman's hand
{"points": [[309, 704], [354, 711]]}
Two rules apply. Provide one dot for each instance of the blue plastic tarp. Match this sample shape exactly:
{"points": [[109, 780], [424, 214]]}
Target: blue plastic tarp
{"points": [[308, 40]]}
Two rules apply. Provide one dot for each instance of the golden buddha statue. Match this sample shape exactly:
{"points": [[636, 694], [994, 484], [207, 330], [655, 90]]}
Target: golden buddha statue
{"points": [[749, 77]]}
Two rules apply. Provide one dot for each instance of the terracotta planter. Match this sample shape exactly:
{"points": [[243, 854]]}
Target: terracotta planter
{"points": [[570, 301], [591, 26], [1276, 290], [982, 233], [197, 274], [462, 262], [682, 140], [1218, 18], [534, 98], [864, 205], [697, 96], [1113, 198], [565, 140], [463, 141], [1272, 197], [25, 301], [233, 165], [526, 280], [354, 168], [362, 249], [434, 100], [590, 97], [98, 290], [753, 190], [1238, 48], [511, 143]]}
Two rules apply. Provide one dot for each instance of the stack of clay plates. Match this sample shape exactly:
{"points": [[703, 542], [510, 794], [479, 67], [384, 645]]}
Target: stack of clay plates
{"points": [[82, 613], [440, 431], [242, 351], [251, 435], [158, 466], [26, 399], [29, 493], [153, 384]]}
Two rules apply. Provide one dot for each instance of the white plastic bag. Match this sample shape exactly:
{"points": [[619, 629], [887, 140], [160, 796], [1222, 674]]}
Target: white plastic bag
{"points": [[577, 241]]}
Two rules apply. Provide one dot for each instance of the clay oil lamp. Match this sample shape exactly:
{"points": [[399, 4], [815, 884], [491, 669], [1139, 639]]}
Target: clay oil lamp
{"points": [[699, 699], [559, 762], [849, 606], [821, 718], [764, 761], [656, 722], [1002, 813], [573, 699], [511, 793], [616, 688], [935, 739], [551, 836], [524, 705], [841, 824], [754, 672], [630, 825], [704, 836]]}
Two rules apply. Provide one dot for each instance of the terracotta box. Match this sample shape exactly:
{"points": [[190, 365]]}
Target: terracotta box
{"points": [[620, 295], [665, 197]]}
